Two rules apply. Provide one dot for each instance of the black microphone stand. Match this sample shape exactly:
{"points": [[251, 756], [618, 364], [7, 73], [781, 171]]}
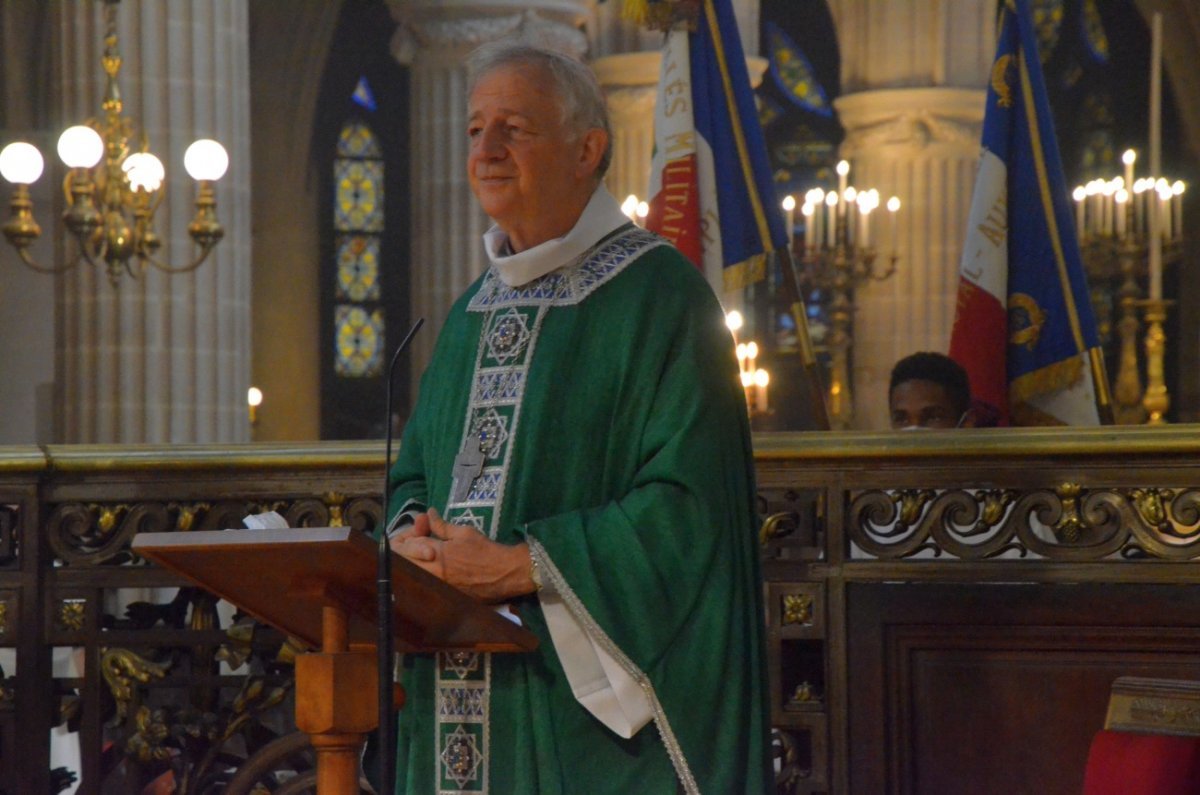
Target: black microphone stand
{"points": [[383, 585]]}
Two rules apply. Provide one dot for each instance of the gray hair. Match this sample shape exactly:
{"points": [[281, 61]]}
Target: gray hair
{"points": [[574, 83]]}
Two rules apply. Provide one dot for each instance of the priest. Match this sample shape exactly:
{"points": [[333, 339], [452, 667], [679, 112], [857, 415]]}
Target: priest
{"points": [[580, 452]]}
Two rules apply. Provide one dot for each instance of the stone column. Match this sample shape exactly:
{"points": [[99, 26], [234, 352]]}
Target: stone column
{"points": [[27, 297], [912, 107], [162, 358], [447, 224], [630, 83]]}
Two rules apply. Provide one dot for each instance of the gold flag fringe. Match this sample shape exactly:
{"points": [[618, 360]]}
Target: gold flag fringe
{"points": [[662, 15], [1048, 379], [744, 273], [635, 11]]}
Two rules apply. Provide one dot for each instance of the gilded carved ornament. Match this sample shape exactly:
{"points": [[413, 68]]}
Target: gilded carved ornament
{"points": [[1163, 712], [96, 533], [1067, 523], [72, 614], [777, 525], [797, 609], [147, 741], [123, 670]]}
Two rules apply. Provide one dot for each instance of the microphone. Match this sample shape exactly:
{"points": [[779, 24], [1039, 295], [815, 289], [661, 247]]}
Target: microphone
{"points": [[383, 588]]}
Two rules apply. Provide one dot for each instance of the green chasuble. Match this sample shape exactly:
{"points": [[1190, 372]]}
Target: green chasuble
{"points": [[604, 399]]}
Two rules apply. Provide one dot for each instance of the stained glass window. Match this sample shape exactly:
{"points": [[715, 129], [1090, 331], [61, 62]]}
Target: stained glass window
{"points": [[358, 268], [358, 141], [359, 200], [359, 339], [363, 95], [358, 218]]}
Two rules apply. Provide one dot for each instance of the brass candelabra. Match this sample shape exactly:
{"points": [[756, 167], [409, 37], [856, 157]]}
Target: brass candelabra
{"points": [[1119, 221], [838, 255]]}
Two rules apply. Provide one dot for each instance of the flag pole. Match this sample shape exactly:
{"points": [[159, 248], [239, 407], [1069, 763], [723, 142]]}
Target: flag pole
{"points": [[808, 358]]}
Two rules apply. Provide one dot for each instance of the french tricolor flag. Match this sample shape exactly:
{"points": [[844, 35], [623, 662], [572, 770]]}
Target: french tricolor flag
{"points": [[711, 192], [1023, 326]]}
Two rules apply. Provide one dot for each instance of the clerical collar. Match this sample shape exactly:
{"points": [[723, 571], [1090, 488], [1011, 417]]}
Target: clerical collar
{"points": [[601, 216]]}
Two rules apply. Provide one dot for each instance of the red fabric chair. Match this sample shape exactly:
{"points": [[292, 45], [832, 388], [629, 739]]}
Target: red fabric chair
{"points": [[1127, 763]]}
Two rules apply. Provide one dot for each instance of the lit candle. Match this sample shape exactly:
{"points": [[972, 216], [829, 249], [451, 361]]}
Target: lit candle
{"points": [[789, 209], [864, 209], [1106, 208], [843, 169], [831, 201], [1139, 207], [818, 203], [1079, 195], [1121, 197], [1128, 159], [810, 225], [849, 196], [1177, 190], [761, 379], [893, 207], [1164, 213], [629, 206], [1155, 264]]}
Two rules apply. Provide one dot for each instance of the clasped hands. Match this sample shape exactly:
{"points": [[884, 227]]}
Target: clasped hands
{"points": [[465, 558]]}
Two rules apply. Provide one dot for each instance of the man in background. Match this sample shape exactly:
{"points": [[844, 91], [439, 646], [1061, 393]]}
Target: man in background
{"points": [[929, 390]]}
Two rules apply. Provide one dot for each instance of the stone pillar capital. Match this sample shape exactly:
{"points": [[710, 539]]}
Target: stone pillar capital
{"points": [[911, 120], [448, 28]]}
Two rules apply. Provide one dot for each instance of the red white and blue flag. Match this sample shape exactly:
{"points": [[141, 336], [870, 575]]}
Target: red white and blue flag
{"points": [[1023, 329], [711, 192]]}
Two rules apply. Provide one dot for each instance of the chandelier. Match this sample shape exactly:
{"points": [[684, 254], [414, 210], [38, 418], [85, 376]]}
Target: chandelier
{"points": [[111, 193]]}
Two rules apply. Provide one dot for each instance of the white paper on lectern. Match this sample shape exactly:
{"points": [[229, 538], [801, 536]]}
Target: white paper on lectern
{"points": [[597, 680], [268, 520]]}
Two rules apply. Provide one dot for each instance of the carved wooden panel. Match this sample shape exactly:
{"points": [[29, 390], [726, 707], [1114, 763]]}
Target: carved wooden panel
{"points": [[999, 688]]}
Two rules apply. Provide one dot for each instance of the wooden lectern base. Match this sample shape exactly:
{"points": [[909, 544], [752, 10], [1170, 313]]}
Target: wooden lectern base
{"points": [[336, 703], [289, 577]]}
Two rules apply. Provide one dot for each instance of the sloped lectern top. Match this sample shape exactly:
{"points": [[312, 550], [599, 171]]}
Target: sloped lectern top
{"points": [[284, 578]]}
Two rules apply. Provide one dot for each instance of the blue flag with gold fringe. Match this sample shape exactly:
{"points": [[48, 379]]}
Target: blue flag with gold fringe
{"points": [[711, 191], [1023, 327]]}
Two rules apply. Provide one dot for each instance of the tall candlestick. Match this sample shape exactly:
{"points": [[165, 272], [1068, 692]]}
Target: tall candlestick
{"points": [[1177, 205], [1155, 264], [831, 201], [761, 379], [843, 170], [1128, 159], [789, 210], [893, 206]]}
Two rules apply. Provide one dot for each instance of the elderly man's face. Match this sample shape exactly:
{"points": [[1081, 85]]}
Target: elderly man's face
{"points": [[529, 173]]}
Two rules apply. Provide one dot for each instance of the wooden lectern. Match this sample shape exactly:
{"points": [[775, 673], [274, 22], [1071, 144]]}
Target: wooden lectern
{"points": [[318, 585]]}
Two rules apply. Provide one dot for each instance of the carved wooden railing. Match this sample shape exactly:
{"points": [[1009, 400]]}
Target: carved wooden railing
{"points": [[149, 680], [1065, 549], [164, 686]]}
